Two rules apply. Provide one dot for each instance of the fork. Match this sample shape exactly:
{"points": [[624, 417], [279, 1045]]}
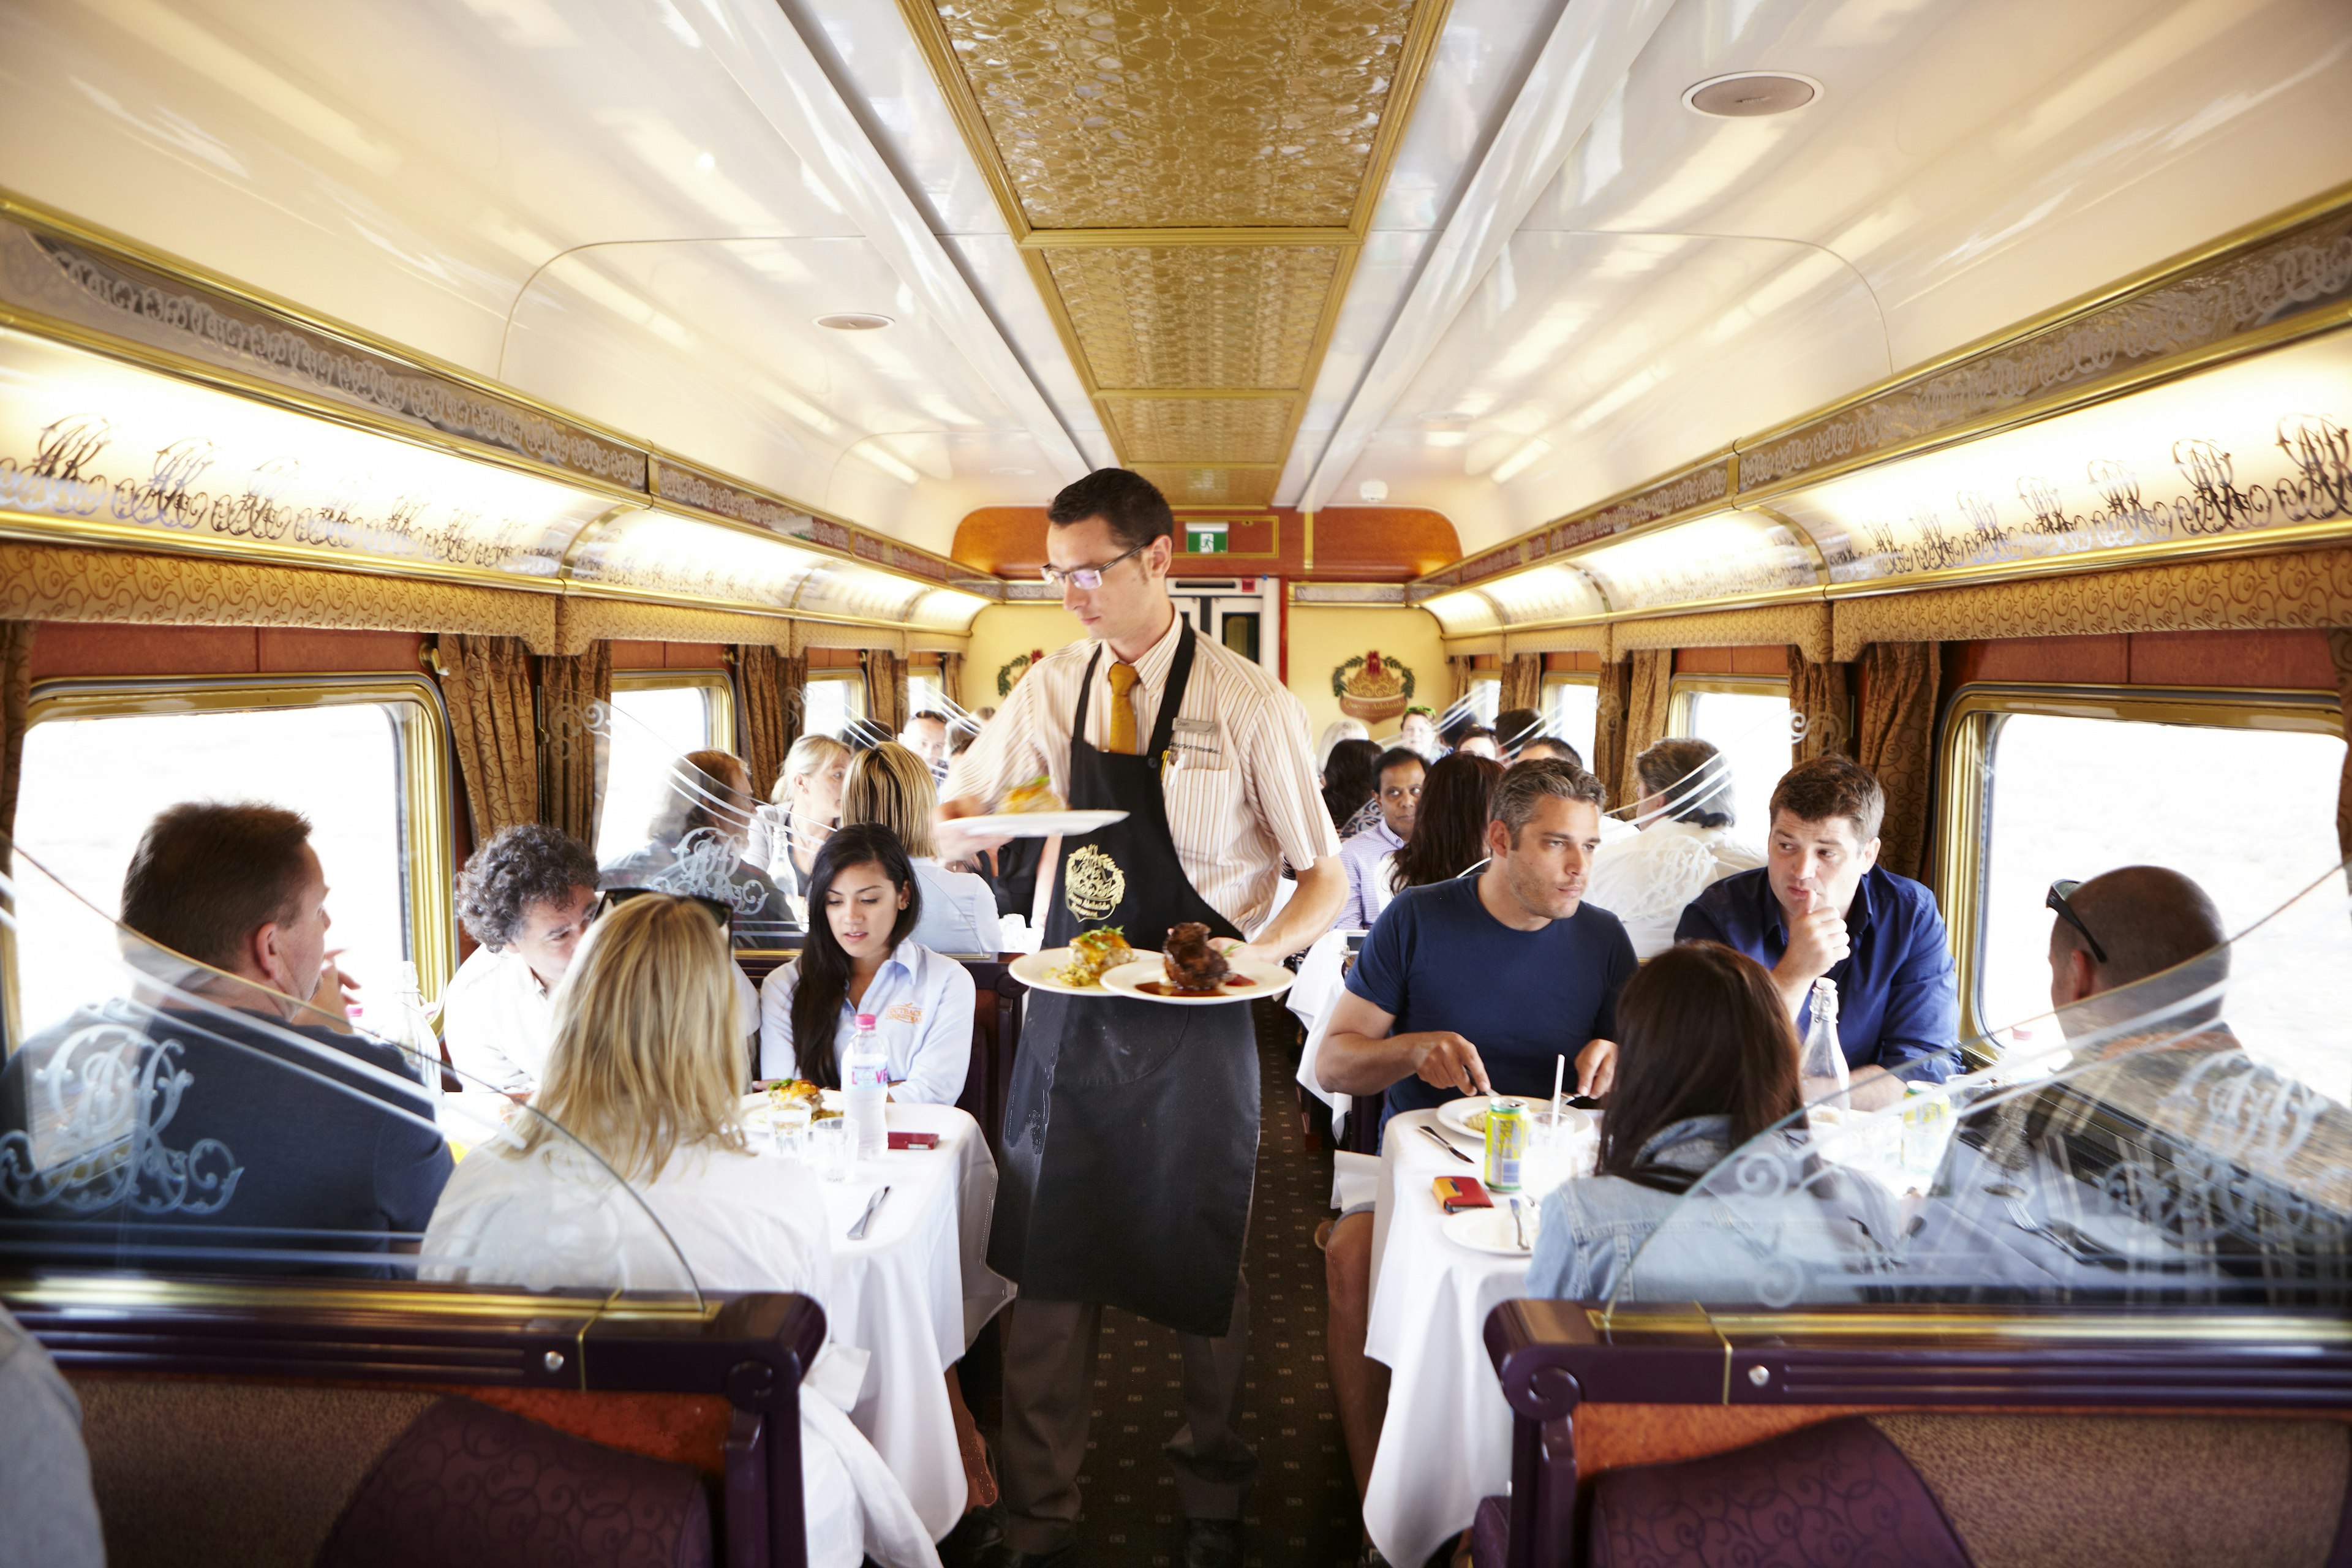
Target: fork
{"points": [[1518, 1228]]}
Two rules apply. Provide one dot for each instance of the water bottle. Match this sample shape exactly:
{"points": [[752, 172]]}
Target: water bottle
{"points": [[865, 1086], [1821, 1068]]}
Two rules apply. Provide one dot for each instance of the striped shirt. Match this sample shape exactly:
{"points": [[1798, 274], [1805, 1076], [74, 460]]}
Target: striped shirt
{"points": [[1241, 789]]}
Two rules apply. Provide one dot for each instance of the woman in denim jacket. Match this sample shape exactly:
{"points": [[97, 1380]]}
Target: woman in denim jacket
{"points": [[1708, 1060]]}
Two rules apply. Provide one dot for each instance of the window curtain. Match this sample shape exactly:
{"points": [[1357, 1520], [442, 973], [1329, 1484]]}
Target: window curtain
{"points": [[951, 676], [1650, 673], [1818, 701], [2339, 647], [1609, 756], [886, 691], [16, 702], [573, 747], [486, 681], [1899, 681], [1457, 672], [1523, 682], [771, 698]]}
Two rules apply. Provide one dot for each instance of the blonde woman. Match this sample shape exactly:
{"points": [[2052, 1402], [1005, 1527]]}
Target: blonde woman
{"points": [[787, 832], [636, 1121], [891, 787]]}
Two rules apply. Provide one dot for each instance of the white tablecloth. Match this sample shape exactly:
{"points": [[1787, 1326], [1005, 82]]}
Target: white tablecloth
{"points": [[913, 1294], [1322, 980], [1446, 1441]]}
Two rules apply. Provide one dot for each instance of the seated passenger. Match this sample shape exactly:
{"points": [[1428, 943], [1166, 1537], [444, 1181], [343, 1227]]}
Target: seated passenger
{"points": [[1337, 730], [1479, 741], [1822, 904], [284, 1130], [642, 1089], [926, 735], [45, 1491], [527, 896], [1449, 829], [1514, 728], [1418, 732], [1366, 856], [864, 904], [1685, 844], [703, 828], [1708, 1060], [787, 833], [889, 786], [1549, 746], [1350, 787]]}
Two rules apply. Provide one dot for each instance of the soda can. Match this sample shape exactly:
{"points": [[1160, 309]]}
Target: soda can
{"points": [[1506, 1144]]}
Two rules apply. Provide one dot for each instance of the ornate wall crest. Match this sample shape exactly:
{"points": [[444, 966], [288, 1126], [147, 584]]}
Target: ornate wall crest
{"points": [[1372, 689], [1009, 674]]}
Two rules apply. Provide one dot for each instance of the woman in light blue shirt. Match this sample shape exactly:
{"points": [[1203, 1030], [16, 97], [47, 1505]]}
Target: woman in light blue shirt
{"points": [[865, 905], [890, 786]]}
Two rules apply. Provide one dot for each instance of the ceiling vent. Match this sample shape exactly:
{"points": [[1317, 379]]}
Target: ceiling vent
{"points": [[854, 321], [1748, 95]]}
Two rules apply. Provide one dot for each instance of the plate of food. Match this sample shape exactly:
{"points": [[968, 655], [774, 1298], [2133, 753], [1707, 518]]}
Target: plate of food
{"points": [[1077, 969], [1034, 811], [1191, 973], [1467, 1115]]}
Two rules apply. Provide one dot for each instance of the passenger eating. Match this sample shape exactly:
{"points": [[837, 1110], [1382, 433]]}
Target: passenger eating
{"points": [[1685, 844], [643, 1079], [1367, 856], [861, 959], [328, 1133], [787, 832], [1822, 905], [890, 787], [706, 819], [527, 896], [1706, 1061]]}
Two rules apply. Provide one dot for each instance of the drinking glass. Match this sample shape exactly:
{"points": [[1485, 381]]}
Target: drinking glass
{"points": [[1556, 1151], [833, 1148], [789, 1130]]}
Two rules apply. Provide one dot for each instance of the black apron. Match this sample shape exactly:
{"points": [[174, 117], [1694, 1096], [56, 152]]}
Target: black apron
{"points": [[1130, 1131]]}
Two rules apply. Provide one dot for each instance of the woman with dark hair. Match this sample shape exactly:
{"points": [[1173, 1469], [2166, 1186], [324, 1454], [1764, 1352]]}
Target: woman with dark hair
{"points": [[1349, 785], [861, 959], [1449, 831], [1685, 844], [1706, 1061]]}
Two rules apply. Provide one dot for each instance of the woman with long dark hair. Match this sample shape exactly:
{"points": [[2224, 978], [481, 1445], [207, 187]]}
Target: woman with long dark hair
{"points": [[1706, 1061], [1350, 784], [1449, 831], [861, 959]]}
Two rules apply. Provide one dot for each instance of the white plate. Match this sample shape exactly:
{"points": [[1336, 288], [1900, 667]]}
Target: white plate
{"points": [[1265, 980], [1035, 970], [1468, 1116], [1490, 1230], [1034, 824]]}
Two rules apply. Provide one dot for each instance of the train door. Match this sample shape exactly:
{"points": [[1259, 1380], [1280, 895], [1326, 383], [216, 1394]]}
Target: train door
{"points": [[1241, 613]]}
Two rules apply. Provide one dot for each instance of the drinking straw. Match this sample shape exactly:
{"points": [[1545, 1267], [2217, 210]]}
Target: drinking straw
{"points": [[1559, 1071]]}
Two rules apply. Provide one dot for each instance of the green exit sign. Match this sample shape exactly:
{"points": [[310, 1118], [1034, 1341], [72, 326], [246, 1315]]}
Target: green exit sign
{"points": [[1204, 538]]}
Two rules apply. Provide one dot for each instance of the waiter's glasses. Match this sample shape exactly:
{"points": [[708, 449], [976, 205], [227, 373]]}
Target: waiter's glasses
{"points": [[2059, 893], [1087, 577]]}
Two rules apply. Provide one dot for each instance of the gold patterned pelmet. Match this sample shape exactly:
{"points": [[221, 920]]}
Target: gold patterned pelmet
{"points": [[1190, 181]]}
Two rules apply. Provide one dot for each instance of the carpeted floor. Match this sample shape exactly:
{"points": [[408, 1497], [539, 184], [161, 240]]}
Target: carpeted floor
{"points": [[1304, 1509]]}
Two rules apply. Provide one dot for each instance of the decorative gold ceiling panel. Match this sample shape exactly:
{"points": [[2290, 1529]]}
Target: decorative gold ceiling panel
{"points": [[1196, 315], [1212, 487], [1190, 182], [1170, 430], [1200, 113]]}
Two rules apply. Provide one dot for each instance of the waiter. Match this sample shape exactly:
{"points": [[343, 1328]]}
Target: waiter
{"points": [[1131, 1134]]}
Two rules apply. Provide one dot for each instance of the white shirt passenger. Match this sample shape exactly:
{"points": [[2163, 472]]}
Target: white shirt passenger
{"points": [[498, 1019], [959, 910], [555, 1217], [1645, 879], [922, 1006]]}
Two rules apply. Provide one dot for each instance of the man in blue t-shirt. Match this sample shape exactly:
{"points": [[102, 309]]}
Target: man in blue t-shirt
{"points": [[1480, 984]]}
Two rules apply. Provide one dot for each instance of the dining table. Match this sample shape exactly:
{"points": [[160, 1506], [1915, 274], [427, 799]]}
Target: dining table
{"points": [[913, 1292]]}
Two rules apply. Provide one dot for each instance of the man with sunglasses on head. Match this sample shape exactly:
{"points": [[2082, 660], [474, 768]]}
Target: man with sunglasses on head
{"points": [[1130, 1136]]}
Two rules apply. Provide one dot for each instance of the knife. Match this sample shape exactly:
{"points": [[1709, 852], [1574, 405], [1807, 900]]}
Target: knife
{"points": [[873, 1207], [1447, 1144]]}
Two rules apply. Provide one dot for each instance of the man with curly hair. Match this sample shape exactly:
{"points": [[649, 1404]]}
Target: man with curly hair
{"points": [[527, 896]]}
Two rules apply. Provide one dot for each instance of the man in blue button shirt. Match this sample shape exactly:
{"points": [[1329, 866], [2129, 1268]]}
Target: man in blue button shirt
{"points": [[1822, 904]]}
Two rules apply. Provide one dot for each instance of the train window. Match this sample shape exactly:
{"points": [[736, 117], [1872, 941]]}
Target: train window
{"points": [[836, 700], [1572, 705], [1483, 701], [660, 715], [924, 694], [1747, 720], [362, 757], [2236, 790]]}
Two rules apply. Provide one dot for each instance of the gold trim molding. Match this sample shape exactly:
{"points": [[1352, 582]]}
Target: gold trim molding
{"points": [[1807, 625]]}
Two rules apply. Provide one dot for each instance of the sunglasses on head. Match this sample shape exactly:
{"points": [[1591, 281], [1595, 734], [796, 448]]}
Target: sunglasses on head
{"points": [[2060, 891]]}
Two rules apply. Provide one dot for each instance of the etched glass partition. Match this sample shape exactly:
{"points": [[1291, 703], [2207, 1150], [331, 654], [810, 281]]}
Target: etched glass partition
{"points": [[175, 1118], [2179, 1140]]}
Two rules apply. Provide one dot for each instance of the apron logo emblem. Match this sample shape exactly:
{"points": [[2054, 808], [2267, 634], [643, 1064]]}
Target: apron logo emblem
{"points": [[1094, 885]]}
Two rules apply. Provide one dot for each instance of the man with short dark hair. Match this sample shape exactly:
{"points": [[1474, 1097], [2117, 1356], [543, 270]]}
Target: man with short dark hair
{"points": [[1478, 741], [1549, 748], [1822, 905], [926, 735], [1514, 728], [282, 1132], [1397, 777], [527, 896]]}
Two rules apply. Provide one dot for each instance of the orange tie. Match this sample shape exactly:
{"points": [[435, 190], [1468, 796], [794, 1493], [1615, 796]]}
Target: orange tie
{"points": [[1122, 710]]}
